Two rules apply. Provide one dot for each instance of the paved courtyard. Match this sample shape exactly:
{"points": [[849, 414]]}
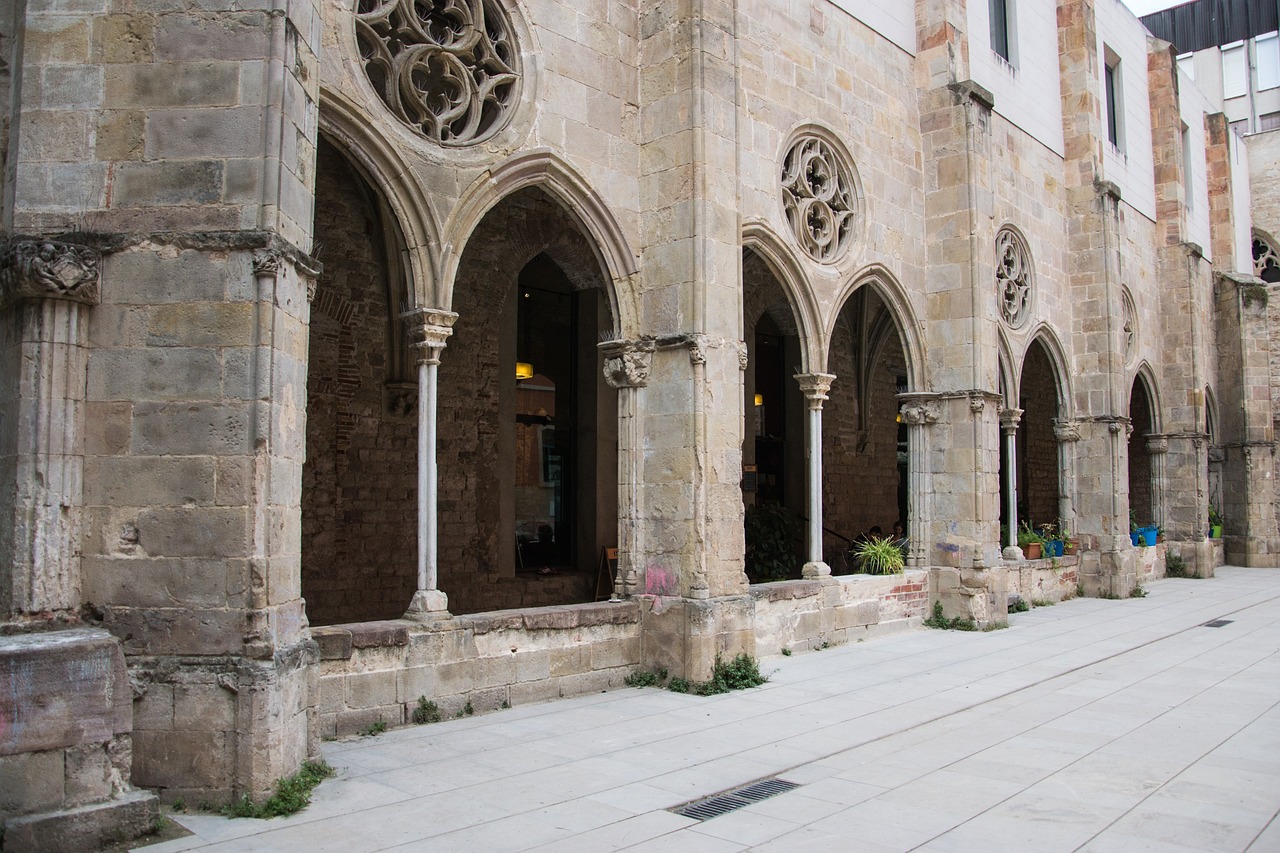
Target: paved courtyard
{"points": [[1092, 725]]}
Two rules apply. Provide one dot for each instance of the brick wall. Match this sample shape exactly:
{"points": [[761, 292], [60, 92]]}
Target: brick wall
{"points": [[359, 504], [860, 455], [1038, 463]]}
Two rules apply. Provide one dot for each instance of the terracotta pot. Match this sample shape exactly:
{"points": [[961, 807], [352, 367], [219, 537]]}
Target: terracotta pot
{"points": [[1032, 551], [1070, 547]]}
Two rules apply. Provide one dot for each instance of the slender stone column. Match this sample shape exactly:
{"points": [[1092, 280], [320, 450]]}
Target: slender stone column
{"points": [[45, 290], [815, 387], [1157, 452], [918, 414], [627, 366], [1067, 432], [1009, 420], [430, 328]]}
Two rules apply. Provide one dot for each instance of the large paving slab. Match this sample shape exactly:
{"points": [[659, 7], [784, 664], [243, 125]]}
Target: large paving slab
{"points": [[1092, 725]]}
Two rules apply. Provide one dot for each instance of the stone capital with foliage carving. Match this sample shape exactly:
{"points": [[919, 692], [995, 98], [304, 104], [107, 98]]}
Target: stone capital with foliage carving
{"points": [[48, 269], [429, 328], [627, 364]]}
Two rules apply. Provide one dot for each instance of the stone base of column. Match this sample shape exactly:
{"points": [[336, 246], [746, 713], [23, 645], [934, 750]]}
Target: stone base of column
{"points": [[1113, 574], [428, 605], [684, 635], [980, 594], [1013, 554], [815, 570], [1253, 551]]}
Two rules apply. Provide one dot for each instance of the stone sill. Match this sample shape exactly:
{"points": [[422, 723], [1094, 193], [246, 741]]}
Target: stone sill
{"points": [[876, 585], [1048, 562], [337, 642]]}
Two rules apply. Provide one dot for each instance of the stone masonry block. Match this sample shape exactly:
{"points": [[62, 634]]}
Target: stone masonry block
{"points": [[534, 691], [173, 84], [149, 278], [194, 532], [201, 324], [167, 183], [190, 429], [145, 481], [153, 711], [228, 132], [205, 707], [61, 689], [183, 759], [31, 782], [88, 775], [372, 689]]}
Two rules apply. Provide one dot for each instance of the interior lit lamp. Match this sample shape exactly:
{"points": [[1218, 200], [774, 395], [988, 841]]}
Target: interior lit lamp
{"points": [[524, 370], [759, 400]]}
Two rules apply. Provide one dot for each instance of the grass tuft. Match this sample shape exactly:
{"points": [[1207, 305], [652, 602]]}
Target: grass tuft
{"points": [[292, 795]]}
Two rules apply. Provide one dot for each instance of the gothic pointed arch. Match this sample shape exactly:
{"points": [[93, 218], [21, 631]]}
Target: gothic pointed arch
{"points": [[380, 161], [1009, 378], [789, 272], [1044, 335], [543, 170], [894, 297], [1146, 376]]}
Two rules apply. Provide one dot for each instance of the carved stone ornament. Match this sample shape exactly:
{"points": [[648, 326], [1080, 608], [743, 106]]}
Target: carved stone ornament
{"points": [[698, 349], [450, 69], [1014, 282], [1009, 419], [815, 385], [1130, 327], [917, 414], [744, 358], [820, 198], [429, 328], [627, 369], [266, 263], [1157, 444], [1266, 261], [1065, 430], [47, 269]]}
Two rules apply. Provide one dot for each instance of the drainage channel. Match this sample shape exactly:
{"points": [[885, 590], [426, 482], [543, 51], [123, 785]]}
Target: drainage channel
{"points": [[710, 807]]}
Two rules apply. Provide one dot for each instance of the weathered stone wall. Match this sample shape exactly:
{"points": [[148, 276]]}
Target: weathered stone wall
{"points": [[1052, 579], [1264, 181], [378, 670], [359, 484], [811, 614]]}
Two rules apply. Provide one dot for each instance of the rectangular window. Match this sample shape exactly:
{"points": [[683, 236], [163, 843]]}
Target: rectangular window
{"points": [[1268, 121], [1235, 71], [1268, 52], [1187, 64], [1188, 198], [1000, 28], [1115, 100]]}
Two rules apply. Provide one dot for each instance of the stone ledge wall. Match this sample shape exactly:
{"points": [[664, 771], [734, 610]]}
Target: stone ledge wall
{"points": [[1151, 562], [805, 614], [373, 671], [1052, 580]]}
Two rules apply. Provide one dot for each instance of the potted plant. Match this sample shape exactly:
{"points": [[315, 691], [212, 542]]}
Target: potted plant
{"points": [[1215, 522], [1148, 535], [1070, 545], [1030, 542], [879, 556], [1053, 544], [1135, 538]]}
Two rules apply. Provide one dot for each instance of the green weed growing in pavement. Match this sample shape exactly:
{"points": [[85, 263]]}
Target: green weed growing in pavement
{"points": [[738, 674], [679, 685], [506, 703], [937, 620], [1019, 605], [645, 678], [1137, 591], [374, 729], [426, 712], [293, 793], [468, 708], [1174, 567], [786, 653], [1042, 602]]}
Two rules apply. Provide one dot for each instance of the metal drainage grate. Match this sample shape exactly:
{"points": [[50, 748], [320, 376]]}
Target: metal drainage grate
{"points": [[710, 807], [1218, 623]]}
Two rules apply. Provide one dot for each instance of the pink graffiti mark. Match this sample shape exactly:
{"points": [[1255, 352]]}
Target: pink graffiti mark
{"points": [[659, 583]]}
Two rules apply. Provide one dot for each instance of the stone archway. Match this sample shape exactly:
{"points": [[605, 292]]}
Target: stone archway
{"points": [[359, 477], [527, 424], [1142, 505], [1037, 465]]}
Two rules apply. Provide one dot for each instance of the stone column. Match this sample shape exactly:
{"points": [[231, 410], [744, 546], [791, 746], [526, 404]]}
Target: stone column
{"points": [[1157, 451], [918, 414], [815, 387], [45, 290], [627, 365], [1009, 420], [1067, 432], [429, 328]]}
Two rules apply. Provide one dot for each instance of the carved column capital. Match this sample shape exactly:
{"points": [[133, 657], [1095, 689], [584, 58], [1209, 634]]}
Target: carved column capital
{"points": [[815, 386], [48, 269], [627, 364], [1066, 430], [698, 349], [1009, 419], [743, 358], [920, 413], [267, 262], [429, 328], [1157, 444]]}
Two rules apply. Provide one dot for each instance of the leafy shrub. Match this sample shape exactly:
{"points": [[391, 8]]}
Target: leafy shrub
{"points": [[293, 793], [738, 674], [645, 678], [771, 534], [426, 712], [937, 620], [879, 556]]}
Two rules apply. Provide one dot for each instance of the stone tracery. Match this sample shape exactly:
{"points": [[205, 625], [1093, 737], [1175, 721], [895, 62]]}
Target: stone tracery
{"points": [[1013, 278], [1266, 261], [819, 198], [448, 68]]}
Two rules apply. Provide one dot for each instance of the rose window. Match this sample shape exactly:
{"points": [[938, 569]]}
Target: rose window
{"points": [[448, 68], [1266, 263], [1013, 278], [819, 198]]}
